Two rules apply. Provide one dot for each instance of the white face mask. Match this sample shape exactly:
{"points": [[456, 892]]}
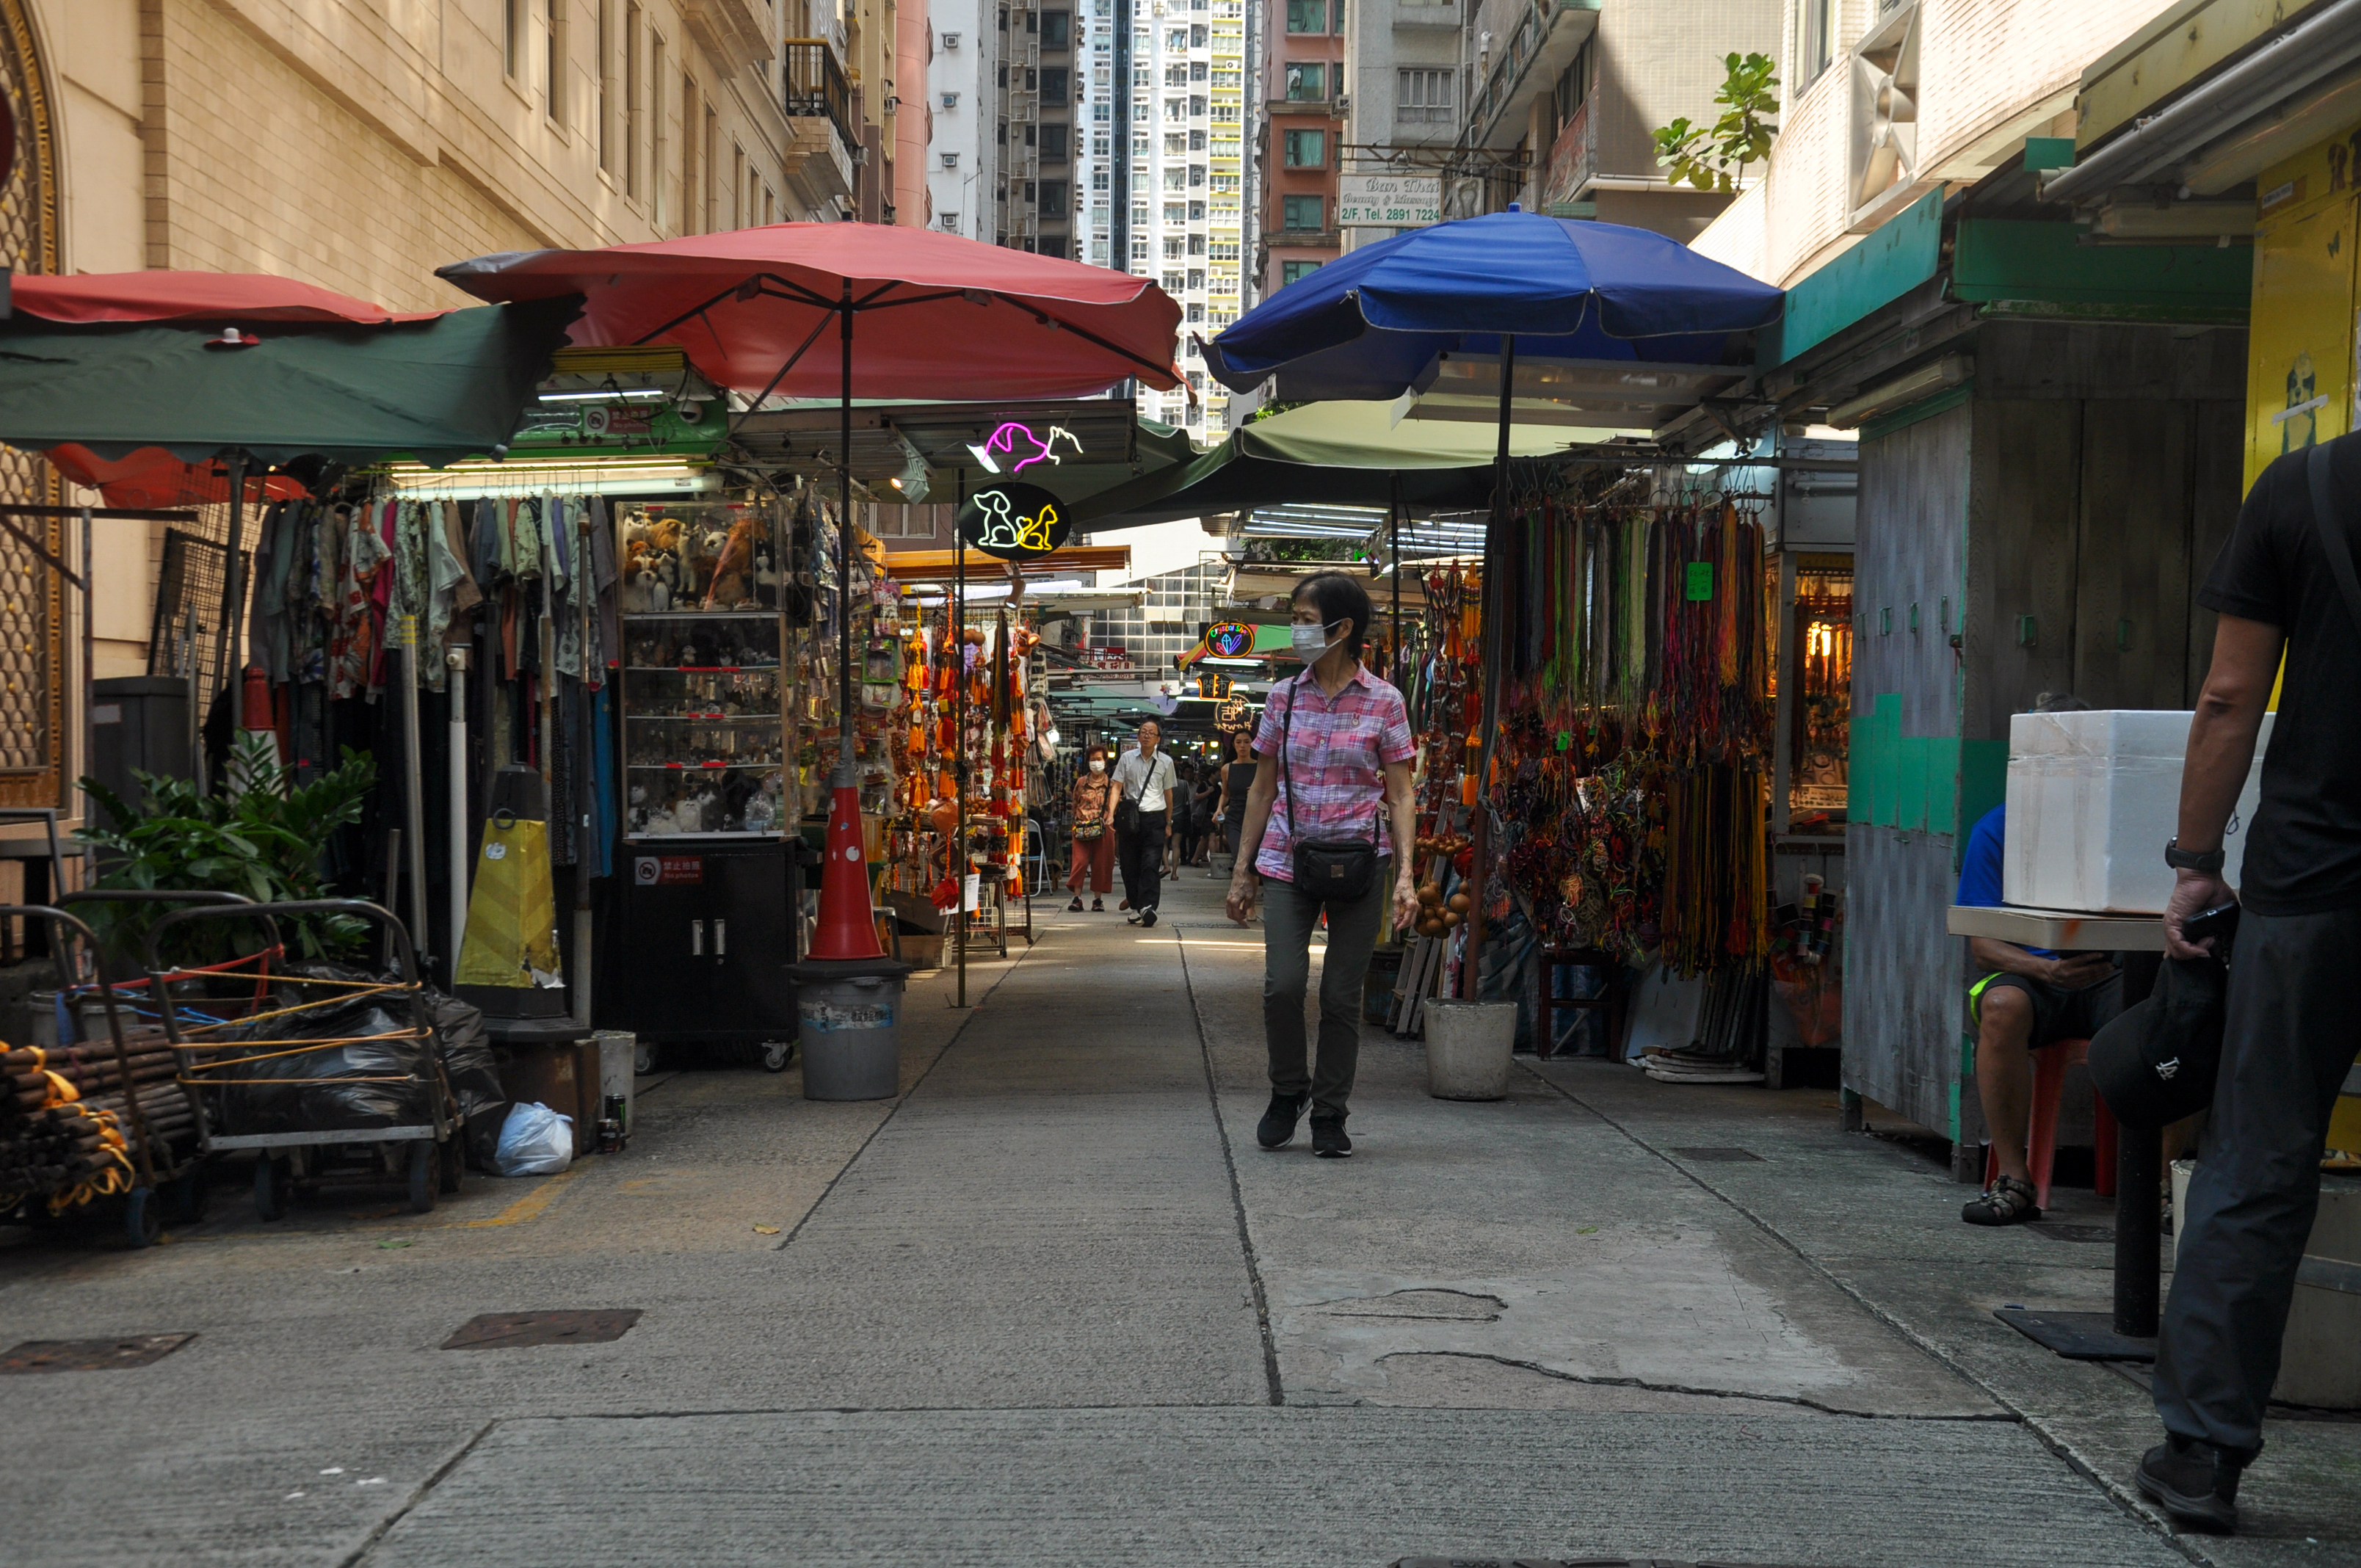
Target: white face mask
{"points": [[1098, 765], [1312, 641]]}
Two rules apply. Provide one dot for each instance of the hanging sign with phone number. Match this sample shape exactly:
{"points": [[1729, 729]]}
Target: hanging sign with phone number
{"points": [[1388, 201]]}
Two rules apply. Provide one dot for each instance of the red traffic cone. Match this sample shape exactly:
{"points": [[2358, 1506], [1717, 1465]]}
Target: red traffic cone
{"points": [[848, 924]]}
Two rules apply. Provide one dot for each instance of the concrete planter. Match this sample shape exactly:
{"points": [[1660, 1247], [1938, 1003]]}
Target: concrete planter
{"points": [[1468, 1045]]}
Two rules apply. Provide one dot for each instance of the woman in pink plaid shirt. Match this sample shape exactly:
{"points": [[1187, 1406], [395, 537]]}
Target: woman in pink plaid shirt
{"points": [[1334, 751]]}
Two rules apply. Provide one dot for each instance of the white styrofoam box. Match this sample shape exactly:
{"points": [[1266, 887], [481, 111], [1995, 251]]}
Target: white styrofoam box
{"points": [[2092, 799]]}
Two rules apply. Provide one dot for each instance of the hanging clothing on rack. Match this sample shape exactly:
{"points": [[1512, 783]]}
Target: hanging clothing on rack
{"points": [[451, 589], [605, 621]]}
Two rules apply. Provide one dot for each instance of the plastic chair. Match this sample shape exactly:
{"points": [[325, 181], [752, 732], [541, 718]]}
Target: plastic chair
{"points": [[2050, 1065], [1036, 857]]}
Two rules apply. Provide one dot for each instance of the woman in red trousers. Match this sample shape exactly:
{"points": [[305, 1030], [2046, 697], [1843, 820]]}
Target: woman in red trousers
{"points": [[1094, 817]]}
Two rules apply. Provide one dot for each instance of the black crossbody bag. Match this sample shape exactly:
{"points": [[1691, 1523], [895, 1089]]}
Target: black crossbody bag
{"points": [[1339, 869]]}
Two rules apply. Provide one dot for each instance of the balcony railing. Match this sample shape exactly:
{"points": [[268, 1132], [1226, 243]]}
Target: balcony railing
{"points": [[816, 87]]}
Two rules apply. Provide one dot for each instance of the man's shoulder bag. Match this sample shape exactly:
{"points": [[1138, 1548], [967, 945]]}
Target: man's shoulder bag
{"points": [[1338, 869]]}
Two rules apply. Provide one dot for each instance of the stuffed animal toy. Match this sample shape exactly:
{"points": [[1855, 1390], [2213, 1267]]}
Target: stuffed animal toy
{"points": [[733, 567], [666, 534], [766, 576], [640, 589]]}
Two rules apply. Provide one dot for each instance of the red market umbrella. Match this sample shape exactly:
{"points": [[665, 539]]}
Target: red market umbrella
{"points": [[939, 317], [918, 313], [152, 477]]}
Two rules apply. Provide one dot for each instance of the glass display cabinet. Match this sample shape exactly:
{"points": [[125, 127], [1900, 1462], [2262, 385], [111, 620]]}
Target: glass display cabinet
{"points": [[700, 935]]}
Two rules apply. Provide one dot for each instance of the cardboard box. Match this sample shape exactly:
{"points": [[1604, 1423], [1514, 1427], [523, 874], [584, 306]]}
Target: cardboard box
{"points": [[2092, 799]]}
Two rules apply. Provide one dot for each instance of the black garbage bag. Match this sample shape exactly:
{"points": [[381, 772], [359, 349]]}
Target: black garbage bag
{"points": [[374, 1079], [2156, 1061], [475, 1076]]}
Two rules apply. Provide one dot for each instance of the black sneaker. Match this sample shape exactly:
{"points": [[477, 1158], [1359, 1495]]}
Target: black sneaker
{"points": [[1328, 1139], [1098, 905], [1147, 916], [1277, 1128], [1075, 908], [2194, 1483]]}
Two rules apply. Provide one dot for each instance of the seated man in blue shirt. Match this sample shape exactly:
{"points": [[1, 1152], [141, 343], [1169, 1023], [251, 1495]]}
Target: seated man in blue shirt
{"points": [[2024, 999]]}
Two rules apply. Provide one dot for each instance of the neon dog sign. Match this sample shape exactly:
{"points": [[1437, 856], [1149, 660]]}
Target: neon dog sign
{"points": [[1015, 521], [1018, 441]]}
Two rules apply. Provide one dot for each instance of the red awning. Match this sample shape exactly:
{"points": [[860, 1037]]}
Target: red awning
{"points": [[152, 477], [161, 296], [935, 316]]}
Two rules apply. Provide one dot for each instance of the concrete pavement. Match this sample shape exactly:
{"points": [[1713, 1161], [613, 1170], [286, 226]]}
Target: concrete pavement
{"points": [[1053, 1306]]}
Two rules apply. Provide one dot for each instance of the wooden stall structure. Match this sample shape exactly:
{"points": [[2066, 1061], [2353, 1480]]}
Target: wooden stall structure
{"points": [[2049, 456]]}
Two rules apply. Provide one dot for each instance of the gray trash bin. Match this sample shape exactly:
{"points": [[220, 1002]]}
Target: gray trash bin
{"points": [[850, 1041]]}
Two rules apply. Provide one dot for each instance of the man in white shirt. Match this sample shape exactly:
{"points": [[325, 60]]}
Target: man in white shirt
{"points": [[1145, 777]]}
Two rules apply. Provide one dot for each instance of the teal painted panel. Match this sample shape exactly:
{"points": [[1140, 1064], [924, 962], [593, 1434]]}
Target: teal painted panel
{"points": [[1983, 784], [1903, 254], [2008, 258]]}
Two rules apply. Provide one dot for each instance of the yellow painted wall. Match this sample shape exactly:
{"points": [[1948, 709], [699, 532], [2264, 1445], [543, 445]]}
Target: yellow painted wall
{"points": [[2303, 368]]}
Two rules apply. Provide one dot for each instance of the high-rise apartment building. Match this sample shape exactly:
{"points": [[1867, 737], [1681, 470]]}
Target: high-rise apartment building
{"points": [[1402, 111], [1033, 145], [963, 97], [1168, 180], [1303, 77]]}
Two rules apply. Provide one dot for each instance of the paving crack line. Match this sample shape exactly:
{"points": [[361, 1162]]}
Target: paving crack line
{"points": [[1237, 1196], [417, 1495], [2123, 1496], [904, 1098], [1997, 1417]]}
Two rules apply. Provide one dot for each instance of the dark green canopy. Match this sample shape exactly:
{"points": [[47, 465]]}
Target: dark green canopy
{"points": [[438, 391], [1338, 454]]}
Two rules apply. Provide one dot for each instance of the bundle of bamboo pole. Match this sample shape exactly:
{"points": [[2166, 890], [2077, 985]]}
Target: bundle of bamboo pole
{"points": [[66, 1112]]}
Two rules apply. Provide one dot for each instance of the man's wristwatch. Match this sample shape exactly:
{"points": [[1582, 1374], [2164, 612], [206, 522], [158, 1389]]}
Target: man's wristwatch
{"points": [[2209, 861]]}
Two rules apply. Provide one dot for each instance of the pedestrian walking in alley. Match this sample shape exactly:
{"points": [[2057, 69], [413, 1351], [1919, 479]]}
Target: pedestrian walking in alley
{"points": [[1237, 778], [1182, 841], [2284, 583], [1092, 808], [1201, 814], [1327, 805], [1145, 777]]}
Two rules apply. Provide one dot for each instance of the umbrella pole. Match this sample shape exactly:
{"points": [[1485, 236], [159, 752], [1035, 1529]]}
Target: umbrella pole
{"points": [[227, 645], [958, 724], [848, 912], [1495, 528], [844, 549]]}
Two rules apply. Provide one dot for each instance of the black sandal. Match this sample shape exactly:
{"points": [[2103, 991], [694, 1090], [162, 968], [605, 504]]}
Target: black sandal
{"points": [[2006, 1202]]}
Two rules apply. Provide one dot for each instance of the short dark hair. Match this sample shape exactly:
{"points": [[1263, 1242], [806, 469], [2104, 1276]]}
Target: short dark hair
{"points": [[1338, 597], [2059, 702]]}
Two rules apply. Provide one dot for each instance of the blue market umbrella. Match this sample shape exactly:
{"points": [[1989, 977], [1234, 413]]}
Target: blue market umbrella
{"points": [[1368, 325]]}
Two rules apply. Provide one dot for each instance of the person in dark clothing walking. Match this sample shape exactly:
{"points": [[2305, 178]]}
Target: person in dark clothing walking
{"points": [[2283, 583], [1237, 778]]}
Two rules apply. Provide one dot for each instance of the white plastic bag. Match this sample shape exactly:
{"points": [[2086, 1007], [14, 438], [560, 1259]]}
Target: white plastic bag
{"points": [[534, 1141]]}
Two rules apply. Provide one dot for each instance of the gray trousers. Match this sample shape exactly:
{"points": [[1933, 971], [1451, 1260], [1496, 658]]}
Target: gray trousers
{"points": [[1288, 919], [2294, 1021]]}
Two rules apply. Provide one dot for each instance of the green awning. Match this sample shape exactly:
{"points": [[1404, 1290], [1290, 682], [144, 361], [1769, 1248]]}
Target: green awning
{"points": [[1338, 454], [436, 390]]}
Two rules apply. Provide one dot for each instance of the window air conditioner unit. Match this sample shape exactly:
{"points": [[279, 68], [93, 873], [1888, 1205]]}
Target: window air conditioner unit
{"points": [[950, 160]]}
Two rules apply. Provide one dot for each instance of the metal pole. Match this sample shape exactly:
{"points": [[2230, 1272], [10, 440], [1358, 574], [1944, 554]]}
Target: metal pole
{"points": [[414, 785], [231, 638], [844, 549], [959, 723], [457, 783], [1494, 528], [88, 761]]}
